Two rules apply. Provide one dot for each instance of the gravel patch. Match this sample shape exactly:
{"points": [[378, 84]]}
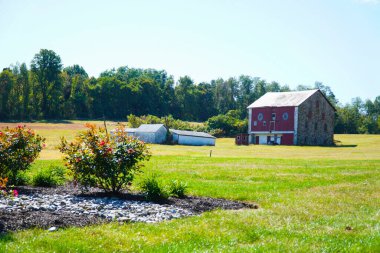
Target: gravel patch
{"points": [[67, 206]]}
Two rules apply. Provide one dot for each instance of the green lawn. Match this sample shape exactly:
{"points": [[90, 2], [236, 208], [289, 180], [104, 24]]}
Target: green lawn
{"points": [[307, 198]]}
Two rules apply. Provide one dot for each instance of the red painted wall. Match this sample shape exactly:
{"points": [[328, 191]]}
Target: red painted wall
{"points": [[287, 139], [242, 139], [280, 123]]}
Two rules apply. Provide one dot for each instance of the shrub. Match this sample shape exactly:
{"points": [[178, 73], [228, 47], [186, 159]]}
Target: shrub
{"points": [[20, 179], [19, 147], [168, 121], [153, 189], [177, 188], [6, 192], [96, 159], [227, 124], [217, 132], [51, 177]]}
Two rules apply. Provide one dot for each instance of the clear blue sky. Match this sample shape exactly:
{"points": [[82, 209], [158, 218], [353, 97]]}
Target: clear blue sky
{"points": [[293, 42]]}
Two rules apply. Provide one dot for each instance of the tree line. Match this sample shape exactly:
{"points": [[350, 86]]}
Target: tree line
{"points": [[47, 90]]}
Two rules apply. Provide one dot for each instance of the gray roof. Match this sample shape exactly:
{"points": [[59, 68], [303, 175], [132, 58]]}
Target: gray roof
{"points": [[149, 128], [280, 99], [130, 130], [192, 133]]}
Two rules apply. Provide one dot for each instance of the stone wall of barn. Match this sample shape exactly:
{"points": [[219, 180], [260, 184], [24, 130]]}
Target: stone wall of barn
{"points": [[315, 122]]}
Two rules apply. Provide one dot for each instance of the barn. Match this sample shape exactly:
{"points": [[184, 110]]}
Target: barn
{"points": [[130, 131], [149, 133], [291, 118], [192, 138]]}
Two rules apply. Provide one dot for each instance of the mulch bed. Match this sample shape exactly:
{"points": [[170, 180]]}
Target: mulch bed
{"points": [[44, 219]]}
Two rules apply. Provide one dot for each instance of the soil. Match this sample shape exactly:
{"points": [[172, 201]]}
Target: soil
{"points": [[12, 221]]}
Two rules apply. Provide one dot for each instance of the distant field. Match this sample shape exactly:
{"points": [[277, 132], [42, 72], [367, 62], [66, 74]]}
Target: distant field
{"points": [[53, 131], [312, 199], [356, 147]]}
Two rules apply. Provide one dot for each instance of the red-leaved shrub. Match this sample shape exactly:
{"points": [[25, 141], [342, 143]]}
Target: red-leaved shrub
{"points": [[109, 162], [19, 147]]}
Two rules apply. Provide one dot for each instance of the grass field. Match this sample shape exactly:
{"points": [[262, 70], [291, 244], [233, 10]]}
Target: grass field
{"points": [[312, 199]]}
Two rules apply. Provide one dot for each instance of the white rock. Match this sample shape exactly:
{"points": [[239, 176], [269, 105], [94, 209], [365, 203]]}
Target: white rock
{"points": [[52, 229], [122, 210]]}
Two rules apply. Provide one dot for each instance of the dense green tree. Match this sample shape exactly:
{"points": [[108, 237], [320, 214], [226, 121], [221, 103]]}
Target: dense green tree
{"points": [[7, 81], [204, 102], [186, 97], [246, 94], [228, 124], [24, 78], [46, 67], [326, 90], [14, 105], [79, 96], [273, 87], [226, 93], [348, 119], [76, 70], [260, 88], [48, 91]]}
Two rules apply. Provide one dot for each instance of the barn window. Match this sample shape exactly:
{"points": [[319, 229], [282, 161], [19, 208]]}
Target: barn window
{"points": [[306, 125], [285, 116], [323, 116], [315, 126], [260, 116], [273, 116], [325, 127], [264, 123], [255, 123], [310, 114], [317, 104]]}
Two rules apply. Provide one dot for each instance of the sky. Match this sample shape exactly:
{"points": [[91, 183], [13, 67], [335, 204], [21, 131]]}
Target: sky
{"points": [[292, 42]]}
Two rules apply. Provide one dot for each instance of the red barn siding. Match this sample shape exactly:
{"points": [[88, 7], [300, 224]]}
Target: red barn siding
{"points": [[242, 139], [287, 139], [280, 123]]}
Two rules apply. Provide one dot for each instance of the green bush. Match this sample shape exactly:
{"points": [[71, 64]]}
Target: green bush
{"points": [[228, 124], [19, 147], [53, 176], [20, 179], [168, 121], [178, 188], [153, 189], [96, 159]]}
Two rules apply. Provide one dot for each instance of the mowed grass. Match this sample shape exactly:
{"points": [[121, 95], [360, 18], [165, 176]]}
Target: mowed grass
{"points": [[312, 199]]}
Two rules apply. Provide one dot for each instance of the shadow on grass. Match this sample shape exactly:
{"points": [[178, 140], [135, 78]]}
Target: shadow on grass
{"points": [[345, 146], [335, 146], [6, 237], [338, 144], [59, 121]]}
